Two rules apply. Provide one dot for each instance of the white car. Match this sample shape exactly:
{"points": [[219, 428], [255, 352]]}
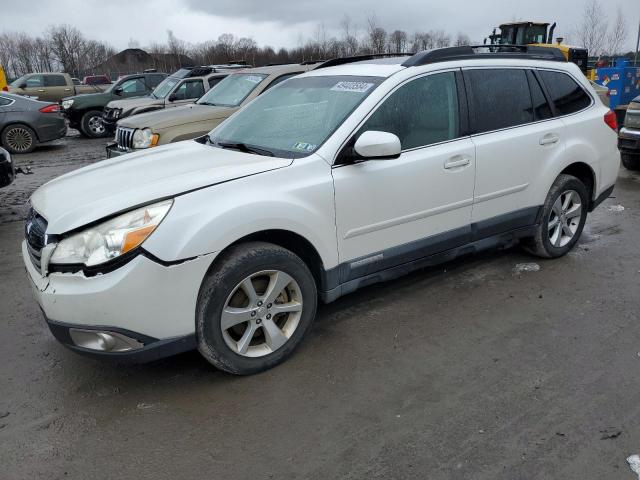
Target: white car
{"points": [[351, 174]]}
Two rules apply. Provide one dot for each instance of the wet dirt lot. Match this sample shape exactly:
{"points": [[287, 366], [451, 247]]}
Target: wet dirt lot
{"points": [[486, 368]]}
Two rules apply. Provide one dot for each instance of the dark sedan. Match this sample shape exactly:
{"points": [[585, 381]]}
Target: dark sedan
{"points": [[26, 123]]}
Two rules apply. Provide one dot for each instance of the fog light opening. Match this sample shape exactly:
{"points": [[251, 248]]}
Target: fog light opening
{"points": [[103, 341]]}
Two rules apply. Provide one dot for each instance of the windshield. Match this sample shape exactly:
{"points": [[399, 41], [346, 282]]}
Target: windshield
{"points": [[232, 91], [164, 88], [19, 81], [293, 119]]}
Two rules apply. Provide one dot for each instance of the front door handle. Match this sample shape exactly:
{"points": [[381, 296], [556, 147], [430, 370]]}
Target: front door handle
{"points": [[549, 139], [67, 89], [457, 161], [40, 90]]}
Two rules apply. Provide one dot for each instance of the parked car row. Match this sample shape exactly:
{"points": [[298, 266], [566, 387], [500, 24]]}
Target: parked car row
{"points": [[353, 172], [50, 87]]}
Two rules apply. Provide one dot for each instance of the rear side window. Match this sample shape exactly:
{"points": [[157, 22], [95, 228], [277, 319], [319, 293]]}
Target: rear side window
{"points": [[566, 95], [54, 81], [500, 98], [281, 79], [421, 112], [213, 81]]}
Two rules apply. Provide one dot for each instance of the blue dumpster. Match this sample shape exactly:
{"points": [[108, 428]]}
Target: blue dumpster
{"points": [[622, 80]]}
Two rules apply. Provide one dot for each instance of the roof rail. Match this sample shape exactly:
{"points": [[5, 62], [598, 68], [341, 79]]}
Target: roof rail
{"points": [[468, 52], [358, 58]]}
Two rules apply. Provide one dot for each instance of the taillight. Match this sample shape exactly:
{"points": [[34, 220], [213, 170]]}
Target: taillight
{"points": [[53, 108], [5, 89], [611, 120]]}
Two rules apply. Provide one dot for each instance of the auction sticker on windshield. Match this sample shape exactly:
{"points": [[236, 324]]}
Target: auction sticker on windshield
{"points": [[357, 87], [305, 147], [254, 79]]}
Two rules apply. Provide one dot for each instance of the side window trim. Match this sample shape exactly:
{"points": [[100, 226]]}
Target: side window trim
{"points": [[351, 136], [545, 92]]}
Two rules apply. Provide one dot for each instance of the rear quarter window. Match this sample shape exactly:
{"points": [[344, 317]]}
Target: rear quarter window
{"points": [[55, 81], [567, 96]]}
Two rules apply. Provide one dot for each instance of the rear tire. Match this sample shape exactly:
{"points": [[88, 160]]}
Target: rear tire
{"points": [[254, 307], [563, 217], [91, 125], [18, 138], [631, 162]]}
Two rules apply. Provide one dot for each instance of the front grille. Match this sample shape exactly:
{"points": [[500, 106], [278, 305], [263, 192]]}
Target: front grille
{"points": [[627, 143], [112, 113], [34, 231], [124, 138]]}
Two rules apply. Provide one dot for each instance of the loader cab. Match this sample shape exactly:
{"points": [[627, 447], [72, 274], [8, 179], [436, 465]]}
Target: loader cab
{"points": [[523, 33]]}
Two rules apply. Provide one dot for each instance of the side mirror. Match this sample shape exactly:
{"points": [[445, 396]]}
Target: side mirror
{"points": [[118, 91], [173, 97], [23, 85], [375, 144]]}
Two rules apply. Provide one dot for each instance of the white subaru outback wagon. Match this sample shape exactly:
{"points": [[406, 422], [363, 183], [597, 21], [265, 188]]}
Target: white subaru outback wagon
{"points": [[351, 174]]}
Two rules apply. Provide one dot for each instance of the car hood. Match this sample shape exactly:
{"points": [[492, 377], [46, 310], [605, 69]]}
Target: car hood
{"points": [[171, 117], [88, 97], [119, 184], [135, 102]]}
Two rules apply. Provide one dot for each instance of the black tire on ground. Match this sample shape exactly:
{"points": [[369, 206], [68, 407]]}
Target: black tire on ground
{"points": [[18, 138], [238, 263], [91, 124], [631, 162], [541, 244]]}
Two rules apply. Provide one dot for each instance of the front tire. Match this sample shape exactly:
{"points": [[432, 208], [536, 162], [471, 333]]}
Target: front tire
{"points": [[18, 138], [631, 162], [91, 125], [254, 307], [564, 214]]}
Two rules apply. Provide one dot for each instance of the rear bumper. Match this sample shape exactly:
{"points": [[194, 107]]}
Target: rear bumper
{"points": [[51, 128], [629, 141]]}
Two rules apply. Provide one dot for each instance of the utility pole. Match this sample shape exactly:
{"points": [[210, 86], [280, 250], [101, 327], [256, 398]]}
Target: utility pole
{"points": [[635, 60]]}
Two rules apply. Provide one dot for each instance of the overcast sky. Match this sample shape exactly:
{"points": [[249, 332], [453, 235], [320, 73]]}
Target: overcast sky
{"points": [[287, 23]]}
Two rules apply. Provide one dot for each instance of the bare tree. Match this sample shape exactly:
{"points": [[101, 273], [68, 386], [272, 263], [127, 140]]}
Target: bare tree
{"points": [[617, 34], [462, 39], [591, 32], [398, 41], [350, 44], [377, 35]]}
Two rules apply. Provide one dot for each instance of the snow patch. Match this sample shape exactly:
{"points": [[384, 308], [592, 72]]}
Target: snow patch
{"points": [[526, 267], [634, 464], [616, 208]]}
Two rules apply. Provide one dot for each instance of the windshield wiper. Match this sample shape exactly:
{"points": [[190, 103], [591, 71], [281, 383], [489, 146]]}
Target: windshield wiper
{"points": [[209, 103], [243, 147]]}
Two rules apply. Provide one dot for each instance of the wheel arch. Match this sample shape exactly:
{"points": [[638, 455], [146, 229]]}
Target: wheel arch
{"points": [[11, 123], [585, 173], [293, 242]]}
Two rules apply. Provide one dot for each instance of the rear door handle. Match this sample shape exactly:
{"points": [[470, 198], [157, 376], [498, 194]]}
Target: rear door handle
{"points": [[549, 139], [457, 161]]}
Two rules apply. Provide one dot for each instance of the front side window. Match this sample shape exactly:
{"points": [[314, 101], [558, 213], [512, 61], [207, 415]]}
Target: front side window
{"points": [[232, 91], [31, 81], [295, 118], [189, 90], [567, 96], [281, 79], [133, 85], [421, 112], [500, 98], [54, 81], [213, 81], [165, 87]]}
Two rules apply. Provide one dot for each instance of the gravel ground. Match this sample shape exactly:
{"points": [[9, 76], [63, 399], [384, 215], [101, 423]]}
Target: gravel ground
{"points": [[495, 366]]}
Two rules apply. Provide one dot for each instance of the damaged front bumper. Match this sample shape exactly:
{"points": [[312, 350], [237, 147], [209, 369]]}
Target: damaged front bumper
{"points": [[141, 311]]}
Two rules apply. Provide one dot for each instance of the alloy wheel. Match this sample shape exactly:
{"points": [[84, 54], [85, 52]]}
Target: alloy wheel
{"points": [[95, 125], [564, 218], [261, 313], [19, 139]]}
